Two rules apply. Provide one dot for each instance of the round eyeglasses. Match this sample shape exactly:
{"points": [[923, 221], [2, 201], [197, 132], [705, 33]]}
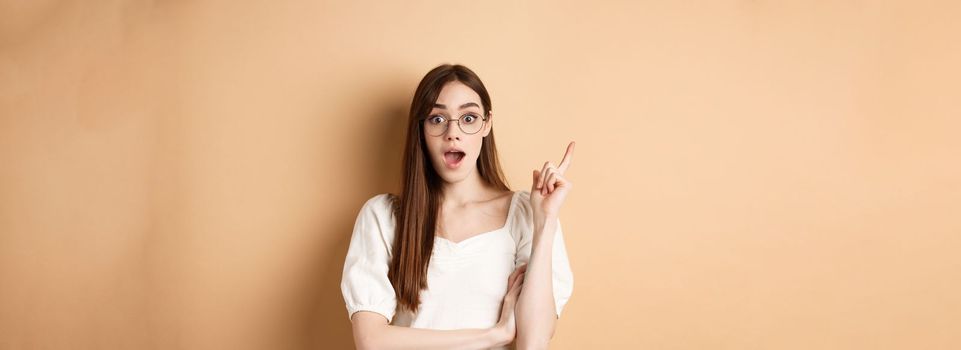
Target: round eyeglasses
{"points": [[470, 124]]}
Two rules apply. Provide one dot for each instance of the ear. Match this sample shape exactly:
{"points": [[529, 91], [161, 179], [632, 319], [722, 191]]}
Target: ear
{"points": [[489, 124]]}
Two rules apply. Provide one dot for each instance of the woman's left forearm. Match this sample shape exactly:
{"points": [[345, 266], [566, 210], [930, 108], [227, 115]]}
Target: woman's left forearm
{"points": [[535, 312]]}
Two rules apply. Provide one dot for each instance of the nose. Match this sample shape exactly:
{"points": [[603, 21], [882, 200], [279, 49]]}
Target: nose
{"points": [[453, 131]]}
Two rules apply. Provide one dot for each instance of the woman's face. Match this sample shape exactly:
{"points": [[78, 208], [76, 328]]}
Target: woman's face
{"points": [[453, 152]]}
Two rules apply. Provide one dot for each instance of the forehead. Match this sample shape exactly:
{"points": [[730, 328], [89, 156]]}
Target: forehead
{"points": [[455, 93]]}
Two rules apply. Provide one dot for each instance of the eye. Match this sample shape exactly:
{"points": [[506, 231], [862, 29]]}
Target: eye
{"points": [[436, 119], [468, 119]]}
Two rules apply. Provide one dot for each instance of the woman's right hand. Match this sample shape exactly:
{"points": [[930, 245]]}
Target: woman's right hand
{"points": [[506, 327]]}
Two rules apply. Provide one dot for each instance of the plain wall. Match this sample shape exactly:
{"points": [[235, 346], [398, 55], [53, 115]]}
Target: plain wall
{"points": [[749, 174]]}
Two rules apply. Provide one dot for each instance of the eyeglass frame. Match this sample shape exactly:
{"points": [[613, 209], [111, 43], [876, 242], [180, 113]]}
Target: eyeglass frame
{"points": [[484, 118]]}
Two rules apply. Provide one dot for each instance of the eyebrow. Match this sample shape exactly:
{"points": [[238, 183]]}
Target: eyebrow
{"points": [[468, 104]]}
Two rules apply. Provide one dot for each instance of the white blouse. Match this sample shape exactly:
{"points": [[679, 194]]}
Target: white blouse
{"points": [[466, 280]]}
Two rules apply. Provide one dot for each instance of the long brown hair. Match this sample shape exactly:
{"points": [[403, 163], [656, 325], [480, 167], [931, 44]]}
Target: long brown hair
{"points": [[417, 205]]}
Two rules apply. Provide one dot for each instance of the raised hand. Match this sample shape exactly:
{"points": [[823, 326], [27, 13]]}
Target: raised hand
{"points": [[550, 187]]}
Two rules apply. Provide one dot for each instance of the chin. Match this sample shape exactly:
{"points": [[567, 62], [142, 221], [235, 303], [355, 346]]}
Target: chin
{"points": [[453, 176]]}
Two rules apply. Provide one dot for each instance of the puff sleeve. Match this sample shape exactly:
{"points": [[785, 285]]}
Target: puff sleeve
{"points": [[563, 278], [364, 283]]}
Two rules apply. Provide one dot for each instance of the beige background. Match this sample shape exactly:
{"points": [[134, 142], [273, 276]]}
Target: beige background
{"points": [[750, 174]]}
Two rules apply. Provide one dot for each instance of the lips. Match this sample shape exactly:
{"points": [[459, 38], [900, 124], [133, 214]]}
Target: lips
{"points": [[453, 157]]}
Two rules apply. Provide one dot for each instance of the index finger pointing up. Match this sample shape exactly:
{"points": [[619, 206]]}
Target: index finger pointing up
{"points": [[568, 158]]}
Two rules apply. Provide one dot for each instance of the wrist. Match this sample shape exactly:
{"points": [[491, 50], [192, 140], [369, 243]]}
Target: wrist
{"points": [[544, 223], [497, 336]]}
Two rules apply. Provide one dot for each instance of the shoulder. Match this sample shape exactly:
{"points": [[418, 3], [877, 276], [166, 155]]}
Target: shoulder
{"points": [[379, 203], [522, 204], [375, 223], [522, 213], [379, 208]]}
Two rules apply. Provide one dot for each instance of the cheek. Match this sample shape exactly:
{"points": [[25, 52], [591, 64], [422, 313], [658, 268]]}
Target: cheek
{"points": [[432, 144], [476, 146]]}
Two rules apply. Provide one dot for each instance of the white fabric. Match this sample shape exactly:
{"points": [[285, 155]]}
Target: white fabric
{"points": [[466, 280]]}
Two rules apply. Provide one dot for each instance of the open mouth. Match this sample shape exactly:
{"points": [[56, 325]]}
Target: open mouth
{"points": [[453, 158]]}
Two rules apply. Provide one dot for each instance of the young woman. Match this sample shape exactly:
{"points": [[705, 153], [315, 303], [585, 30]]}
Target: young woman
{"points": [[457, 260]]}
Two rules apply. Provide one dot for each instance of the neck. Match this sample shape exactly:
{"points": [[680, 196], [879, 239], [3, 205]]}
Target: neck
{"points": [[468, 190]]}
